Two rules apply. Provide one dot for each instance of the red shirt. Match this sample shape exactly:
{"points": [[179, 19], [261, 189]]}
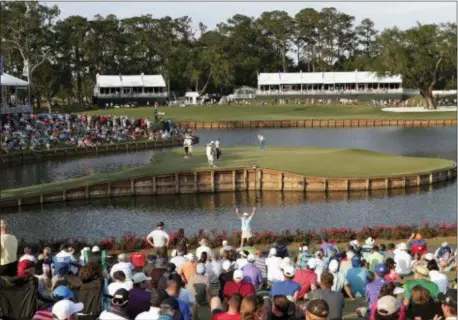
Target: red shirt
{"points": [[244, 288], [226, 316], [305, 278]]}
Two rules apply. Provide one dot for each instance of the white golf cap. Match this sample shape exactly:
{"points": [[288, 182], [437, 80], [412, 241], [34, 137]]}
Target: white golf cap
{"points": [[370, 241], [122, 256], [312, 263], [350, 254], [86, 249], [444, 244], [95, 249], [272, 252], [245, 214], [140, 277], [251, 257], [64, 309], [238, 275], [402, 246], [225, 243], [289, 271], [333, 265], [286, 262], [227, 265]]}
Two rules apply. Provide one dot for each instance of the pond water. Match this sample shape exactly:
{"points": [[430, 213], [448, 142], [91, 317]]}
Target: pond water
{"points": [[114, 217]]}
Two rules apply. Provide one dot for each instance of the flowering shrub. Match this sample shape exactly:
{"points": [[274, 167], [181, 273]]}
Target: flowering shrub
{"points": [[215, 238]]}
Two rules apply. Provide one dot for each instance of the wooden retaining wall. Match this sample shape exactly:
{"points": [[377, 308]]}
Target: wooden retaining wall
{"points": [[214, 181], [75, 151], [317, 123]]}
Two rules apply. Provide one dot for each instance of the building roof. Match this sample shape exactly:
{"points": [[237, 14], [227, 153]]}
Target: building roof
{"points": [[324, 78], [9, 80], [109, 81]]}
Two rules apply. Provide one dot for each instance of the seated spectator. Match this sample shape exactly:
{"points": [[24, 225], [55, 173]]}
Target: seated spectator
{"points": [[306, 278], [169, 309], [118, 308], [422, 304], [238, 286], [282, 250], [421, 276], [28, 255], [390, 251], [287, 287], [139, 297], [233, 312], [443, 250], [356, 280], [273, 266], [417, 244], [391, 274], [67, 310], [251, 272], [388, 308], [373, 288], [437, 277], [225, 247], [317, 310], [403, 260], [367, 248], [387, 290], [303, 257], [120, 282], [335, 300], [375, 258], [346, 262], [123, 265], [448, 303], [339, 278], [242, 260], [280, 308]]}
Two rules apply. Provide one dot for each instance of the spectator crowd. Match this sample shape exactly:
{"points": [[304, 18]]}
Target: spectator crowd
{"points": [[45, 131], [171, 281]]}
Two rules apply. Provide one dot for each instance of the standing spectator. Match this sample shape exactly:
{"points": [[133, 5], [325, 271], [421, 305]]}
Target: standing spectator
{"points": [[178, 260], [153, 313], [173, 290], [238, 286], [225, 276], [246, 225], [262, 142], [139, 297], [200, 287], [390, 251], [437, 277], [280, 308], [422, 304], [251, 272], [180, 242], [225, 248], [156, 274], [118, 308], [160, 240], [8, 251], [420, 279], [403, 260], [123, 265], [188, 270], [26, 268], [356, 280], [335, 300], [218, 149], [418, 246], [448, 304], [287, 287], [306, 278], [375, 258], [203, 248]]}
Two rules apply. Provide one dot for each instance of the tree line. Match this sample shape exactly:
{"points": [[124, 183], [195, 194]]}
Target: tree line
{"points": [[64, 55]]}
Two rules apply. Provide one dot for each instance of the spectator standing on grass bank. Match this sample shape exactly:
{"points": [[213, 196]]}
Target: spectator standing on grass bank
{"points": [[218, 149], [8, 251], [246, 225], [160, 240]]}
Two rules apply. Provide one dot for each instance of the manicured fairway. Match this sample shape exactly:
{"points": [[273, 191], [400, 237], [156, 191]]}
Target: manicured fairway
{"points": [[320, 162], [269, 112]]}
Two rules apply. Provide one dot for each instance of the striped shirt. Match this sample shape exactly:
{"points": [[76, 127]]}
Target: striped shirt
{"points": [[43, 315], [261, 264]]}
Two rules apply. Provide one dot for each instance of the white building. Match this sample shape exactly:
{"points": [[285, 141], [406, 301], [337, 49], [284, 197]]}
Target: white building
{"points": [[327, 83], [127, 89], [13, 95]]}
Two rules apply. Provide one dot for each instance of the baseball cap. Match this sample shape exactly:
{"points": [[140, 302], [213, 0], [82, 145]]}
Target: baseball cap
{"points": [[189, 257], [272, 252], [95, 249], [227, 265], [245, 214], [387, 306], [311, 264], [200, 268], [225, 243], [122, 256], [61, 293], [449, 298], [333, 265], [64, 309], [355, 262], [289, 271], [120, 297], [251, 257], [238, 275], [422, 270], [140, 277], [318, 308], [380, 269], [160, 224]]}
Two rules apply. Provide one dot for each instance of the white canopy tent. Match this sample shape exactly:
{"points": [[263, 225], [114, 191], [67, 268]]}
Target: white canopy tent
{"points": [[10, 81], [126, 81]]}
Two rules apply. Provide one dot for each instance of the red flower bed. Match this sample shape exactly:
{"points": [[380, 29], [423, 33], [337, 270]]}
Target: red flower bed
{"points": [[215, 238]]}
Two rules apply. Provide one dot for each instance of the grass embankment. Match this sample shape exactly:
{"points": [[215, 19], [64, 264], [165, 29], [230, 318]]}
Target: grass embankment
{"points": [[318, 162], [277, 112]]}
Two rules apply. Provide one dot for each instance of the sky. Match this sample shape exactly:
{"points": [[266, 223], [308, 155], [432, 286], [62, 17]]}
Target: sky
{"points": [[384, 14]]}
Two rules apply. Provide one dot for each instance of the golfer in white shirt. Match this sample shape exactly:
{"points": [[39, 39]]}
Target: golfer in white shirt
{"points": [[160, 241], [246, 225]]}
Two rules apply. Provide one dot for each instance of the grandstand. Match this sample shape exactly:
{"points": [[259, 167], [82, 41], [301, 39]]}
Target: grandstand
{"points": [[140, 89]]}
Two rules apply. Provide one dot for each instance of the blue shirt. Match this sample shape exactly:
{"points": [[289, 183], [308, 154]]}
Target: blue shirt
{"points": [[356, 278], [284, 288], [252, 275], [246, 223], [185, 311]]}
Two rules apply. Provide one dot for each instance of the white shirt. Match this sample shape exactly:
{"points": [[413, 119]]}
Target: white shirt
{"points": [[114, 286], [65, 256], [261, 138], [240, 263], [160, 238], [151, 314], [106, 315], [246, 223], [125, 267], [440, 279], [208, 151], [273, 269], [403, 262], [201, 249], [216, 144], [339, 281], [178, 261]]}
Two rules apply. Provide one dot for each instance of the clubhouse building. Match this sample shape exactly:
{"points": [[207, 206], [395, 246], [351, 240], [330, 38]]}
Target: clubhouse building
{"points": [[120, 89]]}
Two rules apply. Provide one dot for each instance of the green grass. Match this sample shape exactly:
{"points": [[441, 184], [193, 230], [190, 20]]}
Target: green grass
{"points": [[320, 162], [270, 112]]}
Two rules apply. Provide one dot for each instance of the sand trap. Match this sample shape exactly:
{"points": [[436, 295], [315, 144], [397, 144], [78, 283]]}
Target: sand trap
{"points": [[419, 109]]}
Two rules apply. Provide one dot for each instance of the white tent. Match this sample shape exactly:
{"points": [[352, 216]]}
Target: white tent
{"points": [[9, 80]]}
